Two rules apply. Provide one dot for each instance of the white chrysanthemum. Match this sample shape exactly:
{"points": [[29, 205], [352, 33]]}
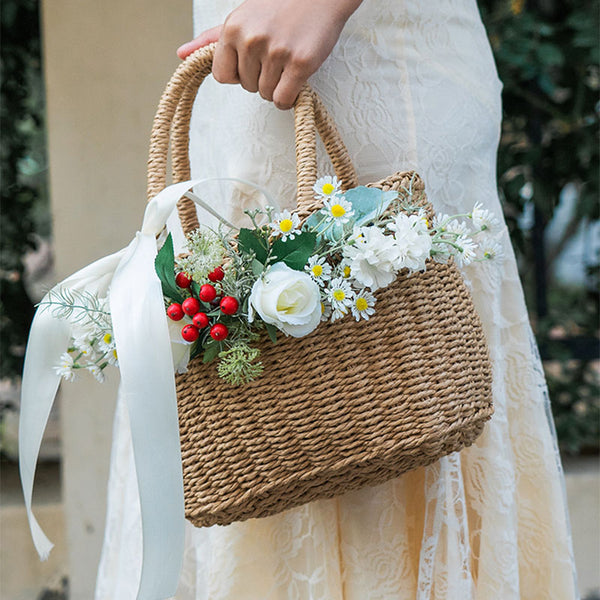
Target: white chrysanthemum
{"points": [[337, 209], [340, 295], [362, 305], [413, 241], [484, 220], [319, 269], [466, 251], [327, 187], [65, 367], [97, 372], [372, 257], [492, 251], [286, 224]]}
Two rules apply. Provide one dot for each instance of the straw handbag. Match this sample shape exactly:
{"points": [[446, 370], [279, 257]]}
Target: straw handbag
{"points": [[351, 404]]}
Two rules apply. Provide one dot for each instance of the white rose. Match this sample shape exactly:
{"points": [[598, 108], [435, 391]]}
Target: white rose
{"points": [[288, 299]]}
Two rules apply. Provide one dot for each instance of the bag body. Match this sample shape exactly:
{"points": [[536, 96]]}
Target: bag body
{"points": [[352, 403]]}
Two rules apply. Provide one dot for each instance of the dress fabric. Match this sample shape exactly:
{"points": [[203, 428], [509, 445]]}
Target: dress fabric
{"points": [[411, 85]]}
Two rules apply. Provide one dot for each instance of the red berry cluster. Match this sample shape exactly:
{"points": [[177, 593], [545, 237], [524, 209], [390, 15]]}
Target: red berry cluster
{"points": [[191, 307]]}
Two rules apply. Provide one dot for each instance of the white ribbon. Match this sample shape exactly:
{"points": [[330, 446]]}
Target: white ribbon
{"points": [[143, 346]]}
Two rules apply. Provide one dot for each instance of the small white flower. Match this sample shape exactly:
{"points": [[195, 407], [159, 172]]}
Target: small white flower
{"points": [[97, 372], [337, 209], [492, 251], [106, 342], [319, 269], [65, 367], [84, 345], [413, 241], [442, 224], [325, 311], [484, 220], [286, 224], [340, 295], [112, 357], [465, 254], [327, 187], [362, 305]]}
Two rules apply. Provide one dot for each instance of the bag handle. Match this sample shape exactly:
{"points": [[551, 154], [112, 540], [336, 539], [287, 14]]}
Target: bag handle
{"points": [[172, 121]]}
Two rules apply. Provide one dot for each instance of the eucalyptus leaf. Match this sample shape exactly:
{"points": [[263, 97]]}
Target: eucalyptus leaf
{"points": [[164, 264], [257, 268], [369, 203]]}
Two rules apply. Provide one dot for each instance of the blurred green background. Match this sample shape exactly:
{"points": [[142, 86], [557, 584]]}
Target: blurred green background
{"points": [[547, 53]]}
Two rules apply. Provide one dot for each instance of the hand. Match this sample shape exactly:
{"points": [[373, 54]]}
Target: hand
{"points": [[274, 46]]}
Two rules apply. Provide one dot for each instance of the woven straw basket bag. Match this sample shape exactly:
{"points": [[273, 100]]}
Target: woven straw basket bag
{"points": [[406, 388]]}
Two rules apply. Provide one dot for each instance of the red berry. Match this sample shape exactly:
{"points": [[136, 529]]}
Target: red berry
{"points": [[190, 333], [183, 280], [229, 305], [217, 274], [207, 292], [218, 331], [175, 312], [190, 306], [200, 320]]}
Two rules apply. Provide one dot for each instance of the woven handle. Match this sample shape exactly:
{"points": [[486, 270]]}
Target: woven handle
{"points": [[172, 123]]}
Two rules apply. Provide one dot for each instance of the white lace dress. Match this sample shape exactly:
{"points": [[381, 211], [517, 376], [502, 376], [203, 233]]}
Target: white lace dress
{"points": [[412, 85]]}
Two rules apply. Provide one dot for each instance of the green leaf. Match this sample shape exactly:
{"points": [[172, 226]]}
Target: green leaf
{"points": [[211, 351], [272, 331], [164, 264], [368, 203], [257, 268], [295, 253], [250, 241]]}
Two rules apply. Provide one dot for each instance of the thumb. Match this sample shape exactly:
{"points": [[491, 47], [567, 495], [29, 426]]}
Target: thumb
{"points": [[206, 37]]}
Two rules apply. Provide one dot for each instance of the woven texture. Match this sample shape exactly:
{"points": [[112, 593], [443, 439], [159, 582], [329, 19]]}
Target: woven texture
{"points": [[351, 404]]}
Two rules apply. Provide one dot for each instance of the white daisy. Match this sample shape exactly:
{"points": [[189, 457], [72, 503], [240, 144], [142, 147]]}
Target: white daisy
{"points": [[465, 253], [65, 367], [443, 224], [362, 305], [84, 345], [327, 187], [286, 224], [97, 372], [340, 295], [106, 342], [484, 220], [337, 209], [492, 251], [325, 311], [112, 358], [319, 269]]}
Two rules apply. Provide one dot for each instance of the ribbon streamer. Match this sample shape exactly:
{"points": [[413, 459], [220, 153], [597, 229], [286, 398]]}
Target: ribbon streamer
{"points": [[147, 383]]}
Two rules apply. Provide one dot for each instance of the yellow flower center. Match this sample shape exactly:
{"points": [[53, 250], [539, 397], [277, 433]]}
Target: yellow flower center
{"points": [[107, 339], [115, 353], [361, 304], [347, 271], [339, 295], [337, 210], [285, 225], [317, 270], [327, 188], [322, 308]]}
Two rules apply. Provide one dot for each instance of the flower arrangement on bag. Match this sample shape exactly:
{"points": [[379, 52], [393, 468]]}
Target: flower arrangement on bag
{"points": [[283, 274]]}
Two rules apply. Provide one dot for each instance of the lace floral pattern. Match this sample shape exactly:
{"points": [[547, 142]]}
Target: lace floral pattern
{"points": [[411, 84]]}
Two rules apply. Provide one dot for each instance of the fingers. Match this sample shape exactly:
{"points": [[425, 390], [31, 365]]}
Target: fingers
{"points": [[225, 64], [290, 83], [206, 37]]}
